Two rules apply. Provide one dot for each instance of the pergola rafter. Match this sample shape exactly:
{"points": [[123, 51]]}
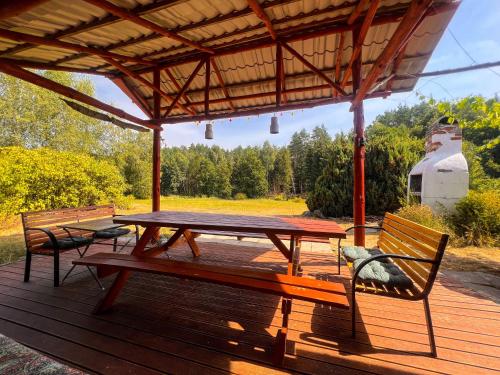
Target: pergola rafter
{"points": [[26, 75], [145, 82], [259, 12], [361, 35], [302, 32], [132, 17], [335, 86], [405, 30], [221, 82], [178, 87], [184, 87], [33, 39], [292, 78], [91, 25]]}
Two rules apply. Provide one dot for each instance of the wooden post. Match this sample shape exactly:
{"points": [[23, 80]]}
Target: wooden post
{"points": [[156, 144], [359, 153]]}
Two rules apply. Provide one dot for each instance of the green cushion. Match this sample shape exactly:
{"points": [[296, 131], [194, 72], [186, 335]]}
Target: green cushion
{"points": [[68, 243], [112, 233], [351, 253], [388, 274]]}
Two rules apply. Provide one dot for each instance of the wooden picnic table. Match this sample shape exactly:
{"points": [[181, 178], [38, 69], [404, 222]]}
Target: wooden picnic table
{"points": [[185, 222], [275, 228]]}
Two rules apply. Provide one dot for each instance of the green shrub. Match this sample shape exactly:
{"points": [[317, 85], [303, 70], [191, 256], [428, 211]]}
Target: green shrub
{"points": [[390, 155], [477, 218], [240, 196], [46, 179], [423, 215]]}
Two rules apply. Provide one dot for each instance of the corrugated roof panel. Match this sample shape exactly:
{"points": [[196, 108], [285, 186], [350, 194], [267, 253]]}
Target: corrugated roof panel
{"points": [[240, 69]]}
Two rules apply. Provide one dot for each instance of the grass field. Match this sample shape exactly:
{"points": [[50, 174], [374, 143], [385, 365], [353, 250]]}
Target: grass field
{"points": [[460, 259], [12, 241]]}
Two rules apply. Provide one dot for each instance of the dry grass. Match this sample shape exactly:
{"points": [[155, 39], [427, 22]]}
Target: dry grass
{"points": [[460, 259]]}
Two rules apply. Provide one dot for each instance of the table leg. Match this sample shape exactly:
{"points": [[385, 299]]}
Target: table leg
{"points": [[280, 342], [122, 277], [188, 235], [291, 269], [282, 247]]}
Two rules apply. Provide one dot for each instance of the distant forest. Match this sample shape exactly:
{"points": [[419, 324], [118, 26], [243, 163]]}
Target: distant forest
{"points": [[52, 156]]}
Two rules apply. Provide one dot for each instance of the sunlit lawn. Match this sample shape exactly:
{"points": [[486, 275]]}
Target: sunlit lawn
{"points": [[227, 206], [463, 259], [12, 241]]}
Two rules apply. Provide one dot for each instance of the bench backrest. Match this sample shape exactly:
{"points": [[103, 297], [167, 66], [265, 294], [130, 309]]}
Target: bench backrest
{"points": [[50, 219], [405, 237]]}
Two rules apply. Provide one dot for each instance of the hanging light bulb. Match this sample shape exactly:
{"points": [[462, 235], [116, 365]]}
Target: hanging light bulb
{"points": [[209, 131], [275, 129]]}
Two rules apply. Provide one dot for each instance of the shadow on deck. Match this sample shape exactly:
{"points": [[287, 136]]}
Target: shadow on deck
{"points": [[162, 324]]}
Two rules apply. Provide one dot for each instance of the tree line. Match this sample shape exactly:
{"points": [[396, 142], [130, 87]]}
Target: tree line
{"points": [[313, 165]]}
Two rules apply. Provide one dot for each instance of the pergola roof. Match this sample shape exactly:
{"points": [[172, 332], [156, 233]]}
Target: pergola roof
{"points": [[263, 56]]}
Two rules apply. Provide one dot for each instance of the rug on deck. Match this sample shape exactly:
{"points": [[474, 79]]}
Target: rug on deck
{"points": [[18, 359]]}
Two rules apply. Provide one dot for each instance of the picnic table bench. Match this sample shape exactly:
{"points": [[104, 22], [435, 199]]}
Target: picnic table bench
{"points": [[404, 265], [288, 286]]}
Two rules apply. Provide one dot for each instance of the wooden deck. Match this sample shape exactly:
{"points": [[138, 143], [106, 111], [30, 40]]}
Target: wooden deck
{"points": [[199, 328]]}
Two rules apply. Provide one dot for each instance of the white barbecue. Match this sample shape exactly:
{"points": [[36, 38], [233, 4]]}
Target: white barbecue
{"points": [[441, 178]]}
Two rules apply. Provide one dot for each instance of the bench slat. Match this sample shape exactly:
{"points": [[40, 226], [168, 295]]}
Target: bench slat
{"points": [[268, 283], [325, 286], [428, 232]]}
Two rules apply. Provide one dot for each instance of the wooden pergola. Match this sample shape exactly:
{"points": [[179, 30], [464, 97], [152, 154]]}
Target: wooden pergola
{"points": [[192, 60]]}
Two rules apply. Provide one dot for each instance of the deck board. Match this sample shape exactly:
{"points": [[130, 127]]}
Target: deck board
{"points": [[162, 324]]}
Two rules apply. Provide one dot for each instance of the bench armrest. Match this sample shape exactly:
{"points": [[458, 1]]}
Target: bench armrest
{"points": [[385, 256], [49, 234], [377, 228]]}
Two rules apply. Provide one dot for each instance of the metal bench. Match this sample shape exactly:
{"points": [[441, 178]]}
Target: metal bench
{"points": [[415, 249], [44, 236], [286, 286]]}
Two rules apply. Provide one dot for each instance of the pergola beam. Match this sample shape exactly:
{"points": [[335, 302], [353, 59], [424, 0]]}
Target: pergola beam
{"points": [[136, 99], [314, 69], [221, 82], [279, 73], [11, 8], [178, 87], [361, 35], [207, 86], [357, 11], [325, 27], [273, 93], [259, 110], [290, 77], [259, 12], [33, 39], [338, 59], [8, 68], [145, 9], [184, 87], [91, 25], [144, 81], [47, 66], [132, 17], [406, 28]]}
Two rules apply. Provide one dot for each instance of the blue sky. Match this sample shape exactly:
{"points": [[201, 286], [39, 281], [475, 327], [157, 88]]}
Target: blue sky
{"points": [[475, 25]]}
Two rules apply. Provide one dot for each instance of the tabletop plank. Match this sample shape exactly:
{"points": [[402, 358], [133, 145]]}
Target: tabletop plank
{"points": [[237, 223]]}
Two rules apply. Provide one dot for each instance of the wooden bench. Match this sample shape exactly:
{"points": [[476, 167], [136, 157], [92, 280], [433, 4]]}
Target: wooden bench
{"points": [[286, 286], [415, 249], [43, 235]]}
